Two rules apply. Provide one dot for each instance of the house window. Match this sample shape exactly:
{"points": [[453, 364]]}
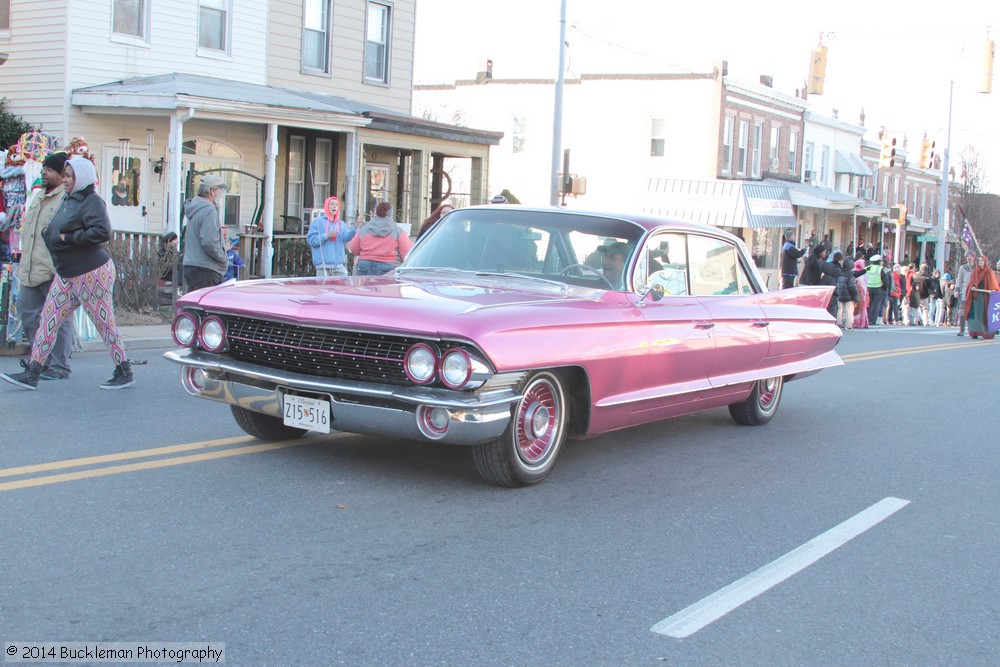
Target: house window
{"points": [[657, 142], [213, 24], [4, 15], [727, 145], [793, 151], [520, 135], [315, 35], [129, 17], [824, 165], [773, 148], [741, 156], [377, 43], [296, 176], [758, 138], [807, 162], [324, 161]]}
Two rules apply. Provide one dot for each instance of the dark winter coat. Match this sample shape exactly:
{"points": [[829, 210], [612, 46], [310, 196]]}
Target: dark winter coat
{"points": [[790, 259], [847, 286], [83, 219], [813, 272]]}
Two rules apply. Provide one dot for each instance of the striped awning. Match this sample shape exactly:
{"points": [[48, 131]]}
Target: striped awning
{"points": [[768, 206], [721, 203]]}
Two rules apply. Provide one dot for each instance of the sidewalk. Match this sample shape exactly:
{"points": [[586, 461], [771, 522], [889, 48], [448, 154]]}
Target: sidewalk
{"points": [[138, 337]]}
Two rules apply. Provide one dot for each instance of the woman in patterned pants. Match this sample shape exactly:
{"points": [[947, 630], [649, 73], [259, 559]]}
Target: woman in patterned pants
{"points": [[77, 237]]}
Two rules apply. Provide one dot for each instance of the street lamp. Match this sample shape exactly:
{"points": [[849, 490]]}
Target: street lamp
{"points": [[943, 198], [557, 119]]}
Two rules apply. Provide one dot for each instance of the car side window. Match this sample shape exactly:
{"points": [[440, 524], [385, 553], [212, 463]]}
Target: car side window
{"points": [[664, 263], [715, 268]]}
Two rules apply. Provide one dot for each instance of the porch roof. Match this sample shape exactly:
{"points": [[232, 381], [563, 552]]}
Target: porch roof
{"points": [[238, 101]]}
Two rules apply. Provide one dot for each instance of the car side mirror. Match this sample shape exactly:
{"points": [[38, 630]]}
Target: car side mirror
{"points": [[654, 292]]}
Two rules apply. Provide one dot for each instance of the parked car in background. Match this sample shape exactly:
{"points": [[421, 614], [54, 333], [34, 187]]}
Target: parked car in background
{"points": [[508, 330]]}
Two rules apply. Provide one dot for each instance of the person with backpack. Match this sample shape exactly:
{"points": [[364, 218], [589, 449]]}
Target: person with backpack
{"points": [[380, 245], [846, 293]]}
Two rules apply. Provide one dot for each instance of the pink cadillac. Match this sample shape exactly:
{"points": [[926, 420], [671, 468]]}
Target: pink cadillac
{"points": [[508, 330]]}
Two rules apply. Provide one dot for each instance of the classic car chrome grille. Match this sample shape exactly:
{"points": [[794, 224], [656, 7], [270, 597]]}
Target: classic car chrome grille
{"points": [[331, 353]]}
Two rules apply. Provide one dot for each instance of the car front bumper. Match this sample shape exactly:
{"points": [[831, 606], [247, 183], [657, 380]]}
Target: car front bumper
{"points": [[474, 417]]}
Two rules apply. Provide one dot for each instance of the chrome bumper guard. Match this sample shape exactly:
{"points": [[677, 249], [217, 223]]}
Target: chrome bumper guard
{"points": [[357, 407]]}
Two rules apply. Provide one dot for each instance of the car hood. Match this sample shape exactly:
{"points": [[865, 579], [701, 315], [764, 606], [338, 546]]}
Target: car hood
{"points": [[409, 304]]}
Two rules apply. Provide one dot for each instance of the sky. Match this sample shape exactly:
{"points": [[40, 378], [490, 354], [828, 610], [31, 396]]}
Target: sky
{"points": [[895, 60]]}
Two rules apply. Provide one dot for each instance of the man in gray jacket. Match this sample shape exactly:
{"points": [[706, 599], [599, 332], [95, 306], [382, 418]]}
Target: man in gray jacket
{"points": [[36, 270], [204, 252], [962, 277]]}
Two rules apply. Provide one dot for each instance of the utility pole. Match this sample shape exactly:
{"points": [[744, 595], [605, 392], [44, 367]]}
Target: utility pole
{"points": [[557, 119], [943, 198]]}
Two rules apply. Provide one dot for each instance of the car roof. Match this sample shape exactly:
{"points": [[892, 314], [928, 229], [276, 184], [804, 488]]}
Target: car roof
{"points": [[647, 221]]}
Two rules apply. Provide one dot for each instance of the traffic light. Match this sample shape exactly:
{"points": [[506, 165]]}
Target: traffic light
{"points": [[927, 154], [887, 158], [817, 71], [988, 69]]}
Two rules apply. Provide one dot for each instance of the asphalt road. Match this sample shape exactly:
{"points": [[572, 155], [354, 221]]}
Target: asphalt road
{"points": [[146, 515]]}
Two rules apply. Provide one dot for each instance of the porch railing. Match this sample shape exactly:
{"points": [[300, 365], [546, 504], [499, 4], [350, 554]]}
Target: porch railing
{"points": [[139, 266]]}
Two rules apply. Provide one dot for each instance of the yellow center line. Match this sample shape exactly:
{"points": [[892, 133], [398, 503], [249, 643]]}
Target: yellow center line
{"points": [[885, 354], [120, 456], [148, 465]]}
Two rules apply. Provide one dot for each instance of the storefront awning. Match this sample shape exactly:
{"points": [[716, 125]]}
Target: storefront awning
{"points": [[768, 206], [721, 203], [811, 196], [849, 163]]}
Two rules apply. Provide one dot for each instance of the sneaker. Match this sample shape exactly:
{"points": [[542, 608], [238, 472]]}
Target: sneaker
{"points": [[47, 373], [122, 378], [27, 379]]}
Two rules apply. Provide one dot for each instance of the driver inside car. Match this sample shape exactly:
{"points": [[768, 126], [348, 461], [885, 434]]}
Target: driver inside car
{"points": [[613, 262]]}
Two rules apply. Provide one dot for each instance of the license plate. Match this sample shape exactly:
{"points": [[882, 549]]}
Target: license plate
{"points": [[312, 414]]}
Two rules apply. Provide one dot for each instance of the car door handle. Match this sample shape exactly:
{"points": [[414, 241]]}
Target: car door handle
{"points": [[704, 325], [760, 323]]}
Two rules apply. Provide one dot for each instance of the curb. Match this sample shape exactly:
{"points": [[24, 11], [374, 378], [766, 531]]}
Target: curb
{"points": [[97, 345]]}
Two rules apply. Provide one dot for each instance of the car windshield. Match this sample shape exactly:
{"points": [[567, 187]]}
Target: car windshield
{"points": [[569, 248]]}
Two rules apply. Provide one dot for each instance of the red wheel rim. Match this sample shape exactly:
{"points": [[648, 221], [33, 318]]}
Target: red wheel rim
{"points": [[536, 423], [767, 392]]}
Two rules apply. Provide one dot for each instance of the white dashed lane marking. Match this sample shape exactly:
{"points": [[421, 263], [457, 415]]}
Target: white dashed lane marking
{"points": [[691, 619]]}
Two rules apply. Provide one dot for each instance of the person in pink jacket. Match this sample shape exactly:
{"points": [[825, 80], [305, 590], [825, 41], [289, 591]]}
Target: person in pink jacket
{"points": [[380, 245]]}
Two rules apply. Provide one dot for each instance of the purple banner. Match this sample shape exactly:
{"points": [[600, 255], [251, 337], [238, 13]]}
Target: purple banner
{"points": [[993, 313]]}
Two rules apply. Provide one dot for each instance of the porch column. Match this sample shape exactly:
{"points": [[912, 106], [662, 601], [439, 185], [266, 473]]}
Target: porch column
{"points": [[270, 157], [175, 144], [479, 181], [351, 178], [421, 201]]}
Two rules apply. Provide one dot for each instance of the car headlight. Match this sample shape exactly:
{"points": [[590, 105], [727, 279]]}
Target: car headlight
{"points": [[421, 363], [213, 334], [456, 368], [185, 329]]}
